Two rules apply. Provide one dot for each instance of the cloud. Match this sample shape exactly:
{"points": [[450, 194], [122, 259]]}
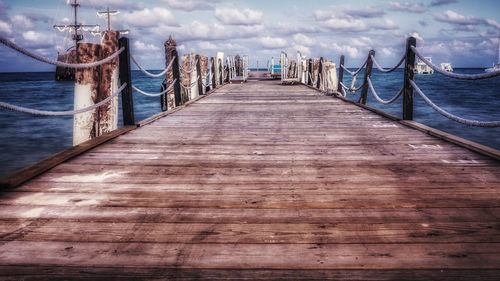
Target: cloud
{"points": [[304, 40], [273, 42], [150, 18], [290, 29], [141, 46], [234, 16], [5, 27], [417, 8], [455, 18], [345, 23], [368, 12], [435, 3], [21, 21], [32, 35], [190, 5], [206, 45], [114, 4]]}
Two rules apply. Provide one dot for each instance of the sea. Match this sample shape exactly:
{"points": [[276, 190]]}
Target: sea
{"points": [[26, 139]]}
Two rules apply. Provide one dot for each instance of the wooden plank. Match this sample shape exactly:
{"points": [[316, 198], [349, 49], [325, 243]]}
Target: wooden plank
{"points": [[280, 233], [258, 256], [163, 273]]}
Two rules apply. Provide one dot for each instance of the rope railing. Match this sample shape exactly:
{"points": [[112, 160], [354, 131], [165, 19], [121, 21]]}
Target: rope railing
{"points": [[40, 58], [480, 76], [144, 93], [143, 70], [61, 113], [387, 70], [354, 73], [379, 99], [349, 89], [190, 86], [469, 122]]}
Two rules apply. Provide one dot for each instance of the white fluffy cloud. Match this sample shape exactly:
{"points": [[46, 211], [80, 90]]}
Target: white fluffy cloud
{"points": [[408, 7], [32, 35], [5, 27], [150, 17], [141, 46], [234, 16], [190, 5], [273, 42], [21, 21]]}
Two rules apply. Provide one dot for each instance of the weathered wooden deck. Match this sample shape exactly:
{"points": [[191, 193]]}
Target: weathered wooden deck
{"points": [[260, 180]]}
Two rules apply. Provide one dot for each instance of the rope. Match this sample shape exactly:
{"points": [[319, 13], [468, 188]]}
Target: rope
{"points": [[378, 98], [351, 90], [354, 73], [192, 84], [37, 57], [387, 70], [191, 66], [469, 122], [154, 94], [310, 79], [61, 113], [149, 73], [455, 75]]}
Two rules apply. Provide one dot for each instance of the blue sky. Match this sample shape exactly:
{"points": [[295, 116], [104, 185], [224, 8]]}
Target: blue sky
{"points": [[460, 31]]}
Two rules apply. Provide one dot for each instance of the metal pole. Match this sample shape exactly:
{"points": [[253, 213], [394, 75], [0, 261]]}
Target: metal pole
{"points": [[408, 90], [368, 73]]}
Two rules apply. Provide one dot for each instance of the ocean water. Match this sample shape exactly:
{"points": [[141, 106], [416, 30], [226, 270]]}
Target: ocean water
{"points": [[25, 139]]}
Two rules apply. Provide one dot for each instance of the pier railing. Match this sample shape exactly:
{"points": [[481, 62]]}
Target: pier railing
{"points": [[409, 88], [104, 73]]}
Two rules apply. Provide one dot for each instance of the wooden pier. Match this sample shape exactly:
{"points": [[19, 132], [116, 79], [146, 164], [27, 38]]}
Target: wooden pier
{"points": [[260, 181]]}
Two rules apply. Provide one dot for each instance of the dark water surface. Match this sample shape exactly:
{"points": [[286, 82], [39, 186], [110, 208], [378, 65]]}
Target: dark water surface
{"points": [[25, 139]]}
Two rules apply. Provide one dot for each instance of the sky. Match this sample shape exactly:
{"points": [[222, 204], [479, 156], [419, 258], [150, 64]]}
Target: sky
{"points": [[463, 32]]}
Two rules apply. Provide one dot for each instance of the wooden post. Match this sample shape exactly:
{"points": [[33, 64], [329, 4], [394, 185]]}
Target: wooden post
{"points": [[408, 89], [86, 91], [173, 97], [212, 72], [320, 72], [221, 73], [200, 74], [185, 78], [341, 74], [107, 115], [311, 72], [126, 77], [368, 73]]}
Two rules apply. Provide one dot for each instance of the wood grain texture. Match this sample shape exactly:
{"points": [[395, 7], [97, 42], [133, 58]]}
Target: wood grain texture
{"points": [[260, 181]]}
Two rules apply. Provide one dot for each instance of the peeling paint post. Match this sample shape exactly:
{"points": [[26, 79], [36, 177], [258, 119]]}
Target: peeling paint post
{"points": [[173, 97], [219, 58], [194, 91], [200, 73], [107, 115], [86, 88], [205, 77], [185, 78]]}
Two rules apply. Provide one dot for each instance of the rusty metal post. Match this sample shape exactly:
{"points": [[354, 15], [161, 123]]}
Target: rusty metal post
{"points": [[368, 73], [173, 97], [408, 89], [126, 77], [341, 74]]}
